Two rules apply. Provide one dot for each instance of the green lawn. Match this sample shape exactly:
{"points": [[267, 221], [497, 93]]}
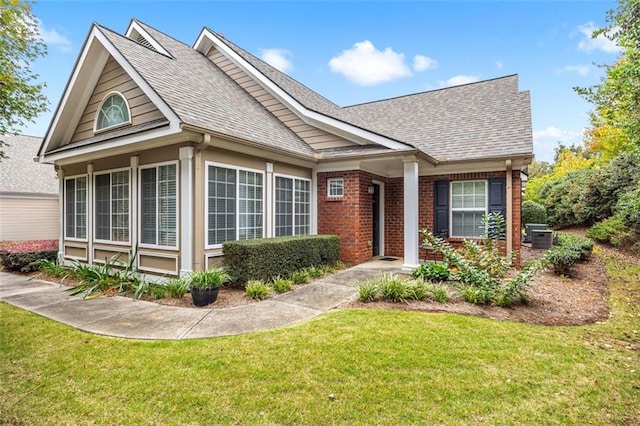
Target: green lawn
{"points": [[383, 367]]}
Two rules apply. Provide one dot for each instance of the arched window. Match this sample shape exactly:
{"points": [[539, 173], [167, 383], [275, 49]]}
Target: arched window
{"points": [[113, 111]]}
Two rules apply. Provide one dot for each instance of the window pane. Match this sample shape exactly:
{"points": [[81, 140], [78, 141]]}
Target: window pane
{"points": [[113, 111], [120, 206], [103, 207], [221, 205], [284, 206], [250, 202], [303, 207], [167, 205], [70, 208], [148, 213]]}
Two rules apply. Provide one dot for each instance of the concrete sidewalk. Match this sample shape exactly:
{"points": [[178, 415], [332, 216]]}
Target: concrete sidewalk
{"points": [[124, 317]]}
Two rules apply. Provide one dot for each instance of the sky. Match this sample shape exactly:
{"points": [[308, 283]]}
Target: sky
{"points": [[357, 51]]}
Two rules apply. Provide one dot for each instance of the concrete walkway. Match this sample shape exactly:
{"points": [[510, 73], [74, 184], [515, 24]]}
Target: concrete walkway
{"points": [[124, 317]]}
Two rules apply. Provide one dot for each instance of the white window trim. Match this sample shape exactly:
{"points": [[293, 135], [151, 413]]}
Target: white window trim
{"points": [[104, 99], [466, 209], [105, 172], [208, 246], [329, 180], [293, 210], [86, 213], [156, 246]]}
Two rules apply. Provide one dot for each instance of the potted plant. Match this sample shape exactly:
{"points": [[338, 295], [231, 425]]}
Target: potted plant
{"points": [[205, 285]]}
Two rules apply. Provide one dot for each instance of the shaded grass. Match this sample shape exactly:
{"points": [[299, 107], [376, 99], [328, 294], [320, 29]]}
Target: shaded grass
{"points": [[384, 367]]}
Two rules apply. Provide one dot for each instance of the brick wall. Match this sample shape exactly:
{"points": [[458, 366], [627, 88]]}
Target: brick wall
{"points": [[350, 216]]}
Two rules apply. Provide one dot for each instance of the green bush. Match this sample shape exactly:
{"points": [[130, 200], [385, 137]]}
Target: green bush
{"points": [[568, 250], [613, 230], [267, 258], [315, 272], [176, 288], [257, 289], [563, 199], [438, 292], [393, 288], [300, 277], [281, 285], [418, 290], [533, 212], [628, 208], [27, 261], [367, 291], [433, 271]]}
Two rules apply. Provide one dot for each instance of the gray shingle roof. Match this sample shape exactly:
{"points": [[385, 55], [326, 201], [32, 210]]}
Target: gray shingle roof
{"points": [[19, 174], [474, 121], [202, 95]]}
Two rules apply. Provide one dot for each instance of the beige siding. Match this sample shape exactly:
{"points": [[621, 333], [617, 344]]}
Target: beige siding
{"points": [[152, 263], [114, 78], [24, 218], [75, 251], [316, 138]]}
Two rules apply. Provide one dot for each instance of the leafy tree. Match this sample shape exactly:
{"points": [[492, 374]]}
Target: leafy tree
{"points": [[538, 169], [617, 96], [21, 98]]}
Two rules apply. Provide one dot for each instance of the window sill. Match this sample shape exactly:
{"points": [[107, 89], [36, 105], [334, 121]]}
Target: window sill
{"points": [[334, 199]]}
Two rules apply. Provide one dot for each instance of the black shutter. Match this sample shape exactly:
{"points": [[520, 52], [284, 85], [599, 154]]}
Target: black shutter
{"points": [[497, 198], [441, 208]]}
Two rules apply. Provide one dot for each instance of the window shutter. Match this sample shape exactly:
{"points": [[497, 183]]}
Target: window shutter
{"points": [[441, 208], [497, 195]]}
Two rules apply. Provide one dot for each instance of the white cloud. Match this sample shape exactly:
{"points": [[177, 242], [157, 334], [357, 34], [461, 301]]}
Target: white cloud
{"points": [[499, 65], [51, 37], [423, 63], [277, 58], [601, 42], [583, 70], [546, 140], [458, 80], [365, 65]]}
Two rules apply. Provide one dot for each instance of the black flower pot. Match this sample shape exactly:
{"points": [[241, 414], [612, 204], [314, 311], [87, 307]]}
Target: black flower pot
{"points": [[203, 296]]}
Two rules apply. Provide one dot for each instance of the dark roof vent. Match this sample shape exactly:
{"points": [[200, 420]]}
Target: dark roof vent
{"points": [[144, 42]]}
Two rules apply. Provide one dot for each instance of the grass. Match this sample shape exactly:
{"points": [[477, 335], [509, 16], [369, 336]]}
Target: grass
{"points": [[384, 367]]}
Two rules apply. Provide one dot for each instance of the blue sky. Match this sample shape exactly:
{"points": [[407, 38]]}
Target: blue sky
{"points": [[356, 51]]}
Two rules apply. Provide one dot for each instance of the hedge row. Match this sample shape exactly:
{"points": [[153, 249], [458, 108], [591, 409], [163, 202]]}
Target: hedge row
{"points": [[25, 256], [267, 258]]}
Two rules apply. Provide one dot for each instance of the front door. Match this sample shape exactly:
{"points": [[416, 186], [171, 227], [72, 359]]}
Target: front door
{"points": [[375, 239]]}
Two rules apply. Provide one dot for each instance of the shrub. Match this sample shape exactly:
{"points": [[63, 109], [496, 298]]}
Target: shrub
{"points": [[315, 272], [417, 290], [475, 295], [281, 285], [212, 277], [393, 288], [158, 291], [533, 212], [568, 249], [367, 291], [270, 257], [439, 292], [433, 271], [53, 268], [612, 230], [25, 256], [176, 288], [113, 277], [300, 277], [257, 289]]}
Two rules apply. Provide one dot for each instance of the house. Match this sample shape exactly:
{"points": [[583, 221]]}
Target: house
{"points": [[28, 192], [174, 149]]}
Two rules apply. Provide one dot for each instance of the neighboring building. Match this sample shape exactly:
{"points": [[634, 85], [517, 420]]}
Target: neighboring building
{"points": [[174, 149], [28, 192]]}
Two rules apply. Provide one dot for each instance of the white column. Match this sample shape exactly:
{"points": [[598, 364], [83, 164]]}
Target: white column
{"points": [[314, 202], [269, 202], [509, 214], [61, 216], [133, 209], [411, 259], [90, 192], [186, 210]]}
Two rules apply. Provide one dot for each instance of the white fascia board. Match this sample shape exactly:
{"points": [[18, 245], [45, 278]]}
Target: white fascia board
{"points": [[332, 125], [135, 26], [125, 144]]}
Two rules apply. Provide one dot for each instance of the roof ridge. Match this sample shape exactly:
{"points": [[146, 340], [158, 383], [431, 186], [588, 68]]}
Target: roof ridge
{"points": [[122, 36], [408, 95], [147, 26]]}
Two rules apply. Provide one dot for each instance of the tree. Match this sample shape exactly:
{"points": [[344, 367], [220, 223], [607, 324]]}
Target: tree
{"points": [[617, 96], [21, 98]]}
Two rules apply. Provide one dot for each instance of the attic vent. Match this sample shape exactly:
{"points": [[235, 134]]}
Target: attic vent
{"points": [[143, 41]]}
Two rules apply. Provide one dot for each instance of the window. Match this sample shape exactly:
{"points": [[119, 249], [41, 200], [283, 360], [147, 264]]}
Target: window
{"points": [[159, 205], [235, 208], [75, 209], [292, 206], [112, 206], [113, 111], [335, 187], [468, 205]]}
